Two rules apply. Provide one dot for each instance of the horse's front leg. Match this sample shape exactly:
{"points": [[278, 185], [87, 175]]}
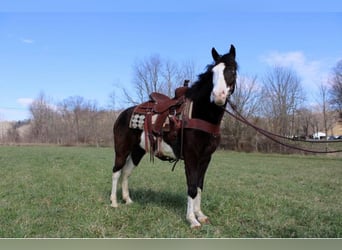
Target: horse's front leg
{"points": [[194, 214], [190, 213], [195, 174]]}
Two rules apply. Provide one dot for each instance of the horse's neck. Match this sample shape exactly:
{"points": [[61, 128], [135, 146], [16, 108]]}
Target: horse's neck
{"points": [[207, 111]]}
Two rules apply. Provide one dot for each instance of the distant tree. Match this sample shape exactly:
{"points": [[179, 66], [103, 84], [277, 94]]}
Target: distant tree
{"points": [[304, 122], [155, 74], [246, 98], [13, 134], [79, 120], [43, 119], [282, 96], [323, 102], [335, 92]]}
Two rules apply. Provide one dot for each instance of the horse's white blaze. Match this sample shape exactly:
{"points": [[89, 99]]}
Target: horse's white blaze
{"points": [[220, 90], [165, 148]]}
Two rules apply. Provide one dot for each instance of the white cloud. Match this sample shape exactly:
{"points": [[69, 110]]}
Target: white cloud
{"points": [[311, 72], [25, 102], [26, 40]]}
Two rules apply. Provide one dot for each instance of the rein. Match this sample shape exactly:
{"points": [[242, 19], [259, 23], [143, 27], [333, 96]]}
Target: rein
{"points": [[272, 136]]}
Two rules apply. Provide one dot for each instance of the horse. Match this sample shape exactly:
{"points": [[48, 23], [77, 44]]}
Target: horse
{"points": [[208, 97]]}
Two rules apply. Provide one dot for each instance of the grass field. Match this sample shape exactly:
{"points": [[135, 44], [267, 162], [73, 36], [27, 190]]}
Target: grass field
{"points": [[64, 192]]}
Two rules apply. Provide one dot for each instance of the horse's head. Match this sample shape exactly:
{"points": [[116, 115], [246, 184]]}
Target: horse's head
{"points": [[224, 76]]}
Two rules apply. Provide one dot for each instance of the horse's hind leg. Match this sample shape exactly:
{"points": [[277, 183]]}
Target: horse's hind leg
{"points": [[126, 172], [132, 161], [124, 166], [115, 179], [119, 163]]}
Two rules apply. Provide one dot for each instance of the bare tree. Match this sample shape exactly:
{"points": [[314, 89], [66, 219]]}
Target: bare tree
{"points": [[79, 120], [282, 95], [155, 74], [146, 79], [323, 102], [43, 118], [335, 92], [246, 99], [304, 121]]}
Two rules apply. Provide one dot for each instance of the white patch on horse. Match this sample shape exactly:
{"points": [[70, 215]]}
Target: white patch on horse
{"points": [[190, 213], [115, 179], [126, 172], [220, 90], [194, 213], [165, 148]]}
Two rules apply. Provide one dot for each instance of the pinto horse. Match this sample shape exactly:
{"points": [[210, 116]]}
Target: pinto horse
{"points": [[209, 96]]}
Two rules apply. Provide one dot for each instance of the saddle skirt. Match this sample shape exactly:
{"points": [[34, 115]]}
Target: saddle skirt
{"points": [[154, 118]]}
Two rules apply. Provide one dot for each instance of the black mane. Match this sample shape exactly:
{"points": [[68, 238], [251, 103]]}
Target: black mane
{"points": [[201, 89]]}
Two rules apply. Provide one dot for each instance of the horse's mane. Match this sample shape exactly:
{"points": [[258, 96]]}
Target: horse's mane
{"points": [[202, 87]]}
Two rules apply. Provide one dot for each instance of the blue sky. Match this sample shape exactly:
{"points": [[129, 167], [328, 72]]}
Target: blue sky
{"points": [[67, 48]]}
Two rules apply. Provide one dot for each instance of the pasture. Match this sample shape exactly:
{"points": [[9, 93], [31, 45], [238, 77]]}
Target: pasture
{"points": [[48, 191]]}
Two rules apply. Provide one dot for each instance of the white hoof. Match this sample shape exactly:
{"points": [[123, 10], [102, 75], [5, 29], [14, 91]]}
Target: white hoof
{"points": [[114, 202], [129, 201], [193, 222], [195, 225], [114, 205]]}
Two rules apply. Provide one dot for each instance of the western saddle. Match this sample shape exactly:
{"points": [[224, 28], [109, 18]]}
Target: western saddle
{"points": [[164, 114]]}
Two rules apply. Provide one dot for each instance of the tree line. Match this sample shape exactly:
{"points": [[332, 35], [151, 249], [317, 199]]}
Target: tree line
{"points": [[276, 102], [72, 121]]}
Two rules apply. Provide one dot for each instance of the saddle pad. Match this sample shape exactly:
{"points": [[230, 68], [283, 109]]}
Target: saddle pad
{"points": [[137, 121]]}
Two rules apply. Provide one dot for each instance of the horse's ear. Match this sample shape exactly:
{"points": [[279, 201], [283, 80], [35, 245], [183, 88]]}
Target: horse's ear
{"points": [[232, 51], [216, 56]]}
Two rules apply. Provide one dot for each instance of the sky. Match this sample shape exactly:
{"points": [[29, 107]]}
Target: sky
{"points": [[88, 48]]}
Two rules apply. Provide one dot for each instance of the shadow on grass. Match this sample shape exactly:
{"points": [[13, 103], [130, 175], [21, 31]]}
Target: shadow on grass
{"points": [[161, 198], [145, 197]]}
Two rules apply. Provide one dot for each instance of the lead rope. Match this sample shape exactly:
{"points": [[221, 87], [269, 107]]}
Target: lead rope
{"points": [[270, 135]]}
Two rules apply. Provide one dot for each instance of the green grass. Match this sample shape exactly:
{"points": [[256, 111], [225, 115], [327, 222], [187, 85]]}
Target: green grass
{"points": [[64, 192]]}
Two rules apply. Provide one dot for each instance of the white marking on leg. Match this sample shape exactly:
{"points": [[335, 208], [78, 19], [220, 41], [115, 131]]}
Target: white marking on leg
{"points": [[197, 208], [126, 172], [190, 214], [115, 179]]}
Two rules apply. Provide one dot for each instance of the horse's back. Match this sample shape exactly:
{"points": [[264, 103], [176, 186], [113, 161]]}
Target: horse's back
{"points": [[123, 119], [125, 138]]}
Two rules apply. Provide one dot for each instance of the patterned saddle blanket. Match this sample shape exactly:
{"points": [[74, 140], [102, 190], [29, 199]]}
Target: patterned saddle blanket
{"points": [[155, 112]]}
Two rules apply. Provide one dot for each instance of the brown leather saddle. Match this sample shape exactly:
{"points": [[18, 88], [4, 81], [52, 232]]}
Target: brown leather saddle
{"points": [[159, 108], [164, 114]]}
